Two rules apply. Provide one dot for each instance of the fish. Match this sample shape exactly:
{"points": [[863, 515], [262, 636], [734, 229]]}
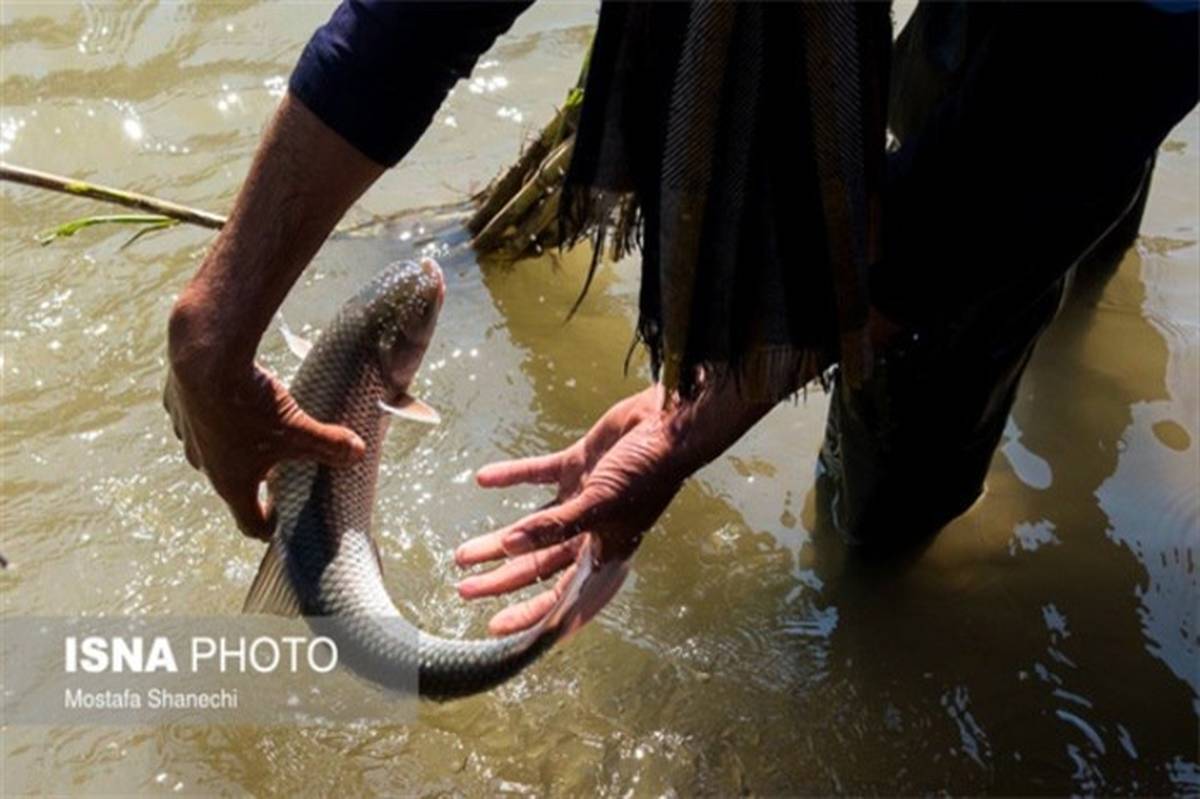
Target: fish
{"points": [[322, 561]]}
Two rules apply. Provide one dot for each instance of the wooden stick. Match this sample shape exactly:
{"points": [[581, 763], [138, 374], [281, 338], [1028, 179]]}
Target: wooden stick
{"points": [[528, 235], [503, 189], [549, 175], [129, 199], [497, 195]]}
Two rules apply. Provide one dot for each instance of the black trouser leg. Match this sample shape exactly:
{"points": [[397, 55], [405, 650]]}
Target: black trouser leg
{"points": [[985, 226], [908, 451]]}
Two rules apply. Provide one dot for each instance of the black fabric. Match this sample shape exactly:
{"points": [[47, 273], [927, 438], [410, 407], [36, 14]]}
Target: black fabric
{"points": [[759, 194]]}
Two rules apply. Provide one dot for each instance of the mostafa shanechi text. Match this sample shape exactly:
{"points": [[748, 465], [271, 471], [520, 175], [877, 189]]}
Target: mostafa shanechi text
{"points": [[152, 699]]}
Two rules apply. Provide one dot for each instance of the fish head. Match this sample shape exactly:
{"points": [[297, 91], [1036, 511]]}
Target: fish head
{"points": [[404, 306]]}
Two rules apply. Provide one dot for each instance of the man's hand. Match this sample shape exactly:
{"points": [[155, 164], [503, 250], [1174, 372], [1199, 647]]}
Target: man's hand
{"points": [[614, 483], [236, 422]]}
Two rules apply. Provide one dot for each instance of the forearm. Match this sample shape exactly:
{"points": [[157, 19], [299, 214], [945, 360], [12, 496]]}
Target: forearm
{"points": [[302, 180], [364, 90]]}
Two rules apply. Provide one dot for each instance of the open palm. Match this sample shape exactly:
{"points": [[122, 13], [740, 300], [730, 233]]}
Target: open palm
{"points": [[614, 483]]}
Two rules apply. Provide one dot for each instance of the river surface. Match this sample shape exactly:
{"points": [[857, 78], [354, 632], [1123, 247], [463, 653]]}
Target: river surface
{"points": [[1046, 643]]}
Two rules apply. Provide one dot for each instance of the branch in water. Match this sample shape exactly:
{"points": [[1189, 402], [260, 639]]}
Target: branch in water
{"points": [[163, 213], [129, 199]]}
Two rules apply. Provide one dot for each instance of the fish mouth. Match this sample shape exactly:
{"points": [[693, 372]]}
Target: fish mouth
{"points": [[409, 319], [432, 288], [433, 271]]}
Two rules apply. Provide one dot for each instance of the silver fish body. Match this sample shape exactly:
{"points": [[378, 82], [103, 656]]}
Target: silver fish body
{"points": [[323, 562]]}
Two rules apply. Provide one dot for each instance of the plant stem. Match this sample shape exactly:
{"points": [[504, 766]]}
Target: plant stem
{"points": [[129, 199], [151, 221], [547, 177]]}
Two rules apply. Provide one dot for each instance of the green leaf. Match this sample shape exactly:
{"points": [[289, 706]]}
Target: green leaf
{"points": [[67, 229]]}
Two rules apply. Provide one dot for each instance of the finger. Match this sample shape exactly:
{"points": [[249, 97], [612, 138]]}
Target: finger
{"points": [[176, 426], [549, 526], [486, 547], [539, 469], [193, 457], [480, 549], [519, 572], [247, 511], [525, 614], [330, 444], [270, 514]]}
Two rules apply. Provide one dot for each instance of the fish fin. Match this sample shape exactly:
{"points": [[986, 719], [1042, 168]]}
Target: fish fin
{"points": [[271, 591], [375, 552], [410, 408], [594, 583], [299, 345]]}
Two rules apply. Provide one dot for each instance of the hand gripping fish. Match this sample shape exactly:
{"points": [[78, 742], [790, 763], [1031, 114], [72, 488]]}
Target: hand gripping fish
{"points": [[322, 562]]}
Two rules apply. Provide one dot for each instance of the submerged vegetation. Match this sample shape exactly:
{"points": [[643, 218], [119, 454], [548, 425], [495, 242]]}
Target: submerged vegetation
{"points": [[149, 223], [517, 214]]}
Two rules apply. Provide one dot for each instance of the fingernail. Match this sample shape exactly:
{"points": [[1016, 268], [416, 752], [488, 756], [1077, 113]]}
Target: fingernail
{"points": [[517, 543], [465, 587]]}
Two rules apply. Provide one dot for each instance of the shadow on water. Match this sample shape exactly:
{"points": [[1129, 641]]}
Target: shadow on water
{"points": [[1014, 655]]}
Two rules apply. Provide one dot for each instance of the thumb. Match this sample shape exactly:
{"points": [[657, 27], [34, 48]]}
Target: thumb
{"points": [[330, 444]]}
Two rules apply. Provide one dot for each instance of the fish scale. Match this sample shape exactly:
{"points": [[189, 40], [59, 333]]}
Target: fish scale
{"points": [[323, 562]]}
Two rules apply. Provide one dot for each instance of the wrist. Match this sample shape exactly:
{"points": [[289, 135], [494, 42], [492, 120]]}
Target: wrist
{"points": [[204, 343], [701, 429]]}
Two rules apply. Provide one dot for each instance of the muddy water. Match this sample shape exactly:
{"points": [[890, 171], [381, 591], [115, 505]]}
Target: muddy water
{"points": [[1047, 642]]}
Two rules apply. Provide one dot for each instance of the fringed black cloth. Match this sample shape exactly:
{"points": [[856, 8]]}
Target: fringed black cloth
{"points": [[741, 145]]}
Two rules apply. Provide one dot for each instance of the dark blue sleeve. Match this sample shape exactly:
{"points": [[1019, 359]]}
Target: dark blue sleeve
{"points": [[379, 69]]}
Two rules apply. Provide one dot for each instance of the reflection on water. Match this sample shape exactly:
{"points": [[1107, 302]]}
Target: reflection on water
{"points": [[1047, 642]]}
